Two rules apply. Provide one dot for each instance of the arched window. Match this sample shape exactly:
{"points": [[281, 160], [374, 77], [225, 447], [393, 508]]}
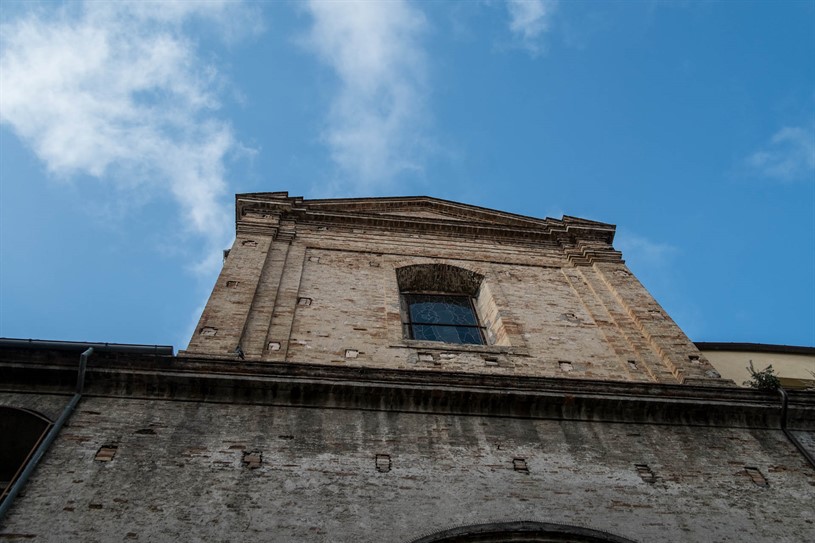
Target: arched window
{"points": [[439, 303], [21, 431]]}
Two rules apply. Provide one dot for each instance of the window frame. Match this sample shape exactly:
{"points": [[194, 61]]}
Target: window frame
{"points": [[408, 323]]}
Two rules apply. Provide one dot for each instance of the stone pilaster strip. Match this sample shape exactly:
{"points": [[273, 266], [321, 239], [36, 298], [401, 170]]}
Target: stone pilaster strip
{"points": [[223, 320], [677, 351], [285, 303]]}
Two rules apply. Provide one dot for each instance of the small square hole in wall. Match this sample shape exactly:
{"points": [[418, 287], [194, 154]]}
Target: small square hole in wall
{"points": [[645, 473], [253, 459], [566, 366], [351, 353], [383, 463], [208, 331], [314, 259], [106, 453], [694, 358], [491, 360], [571, 317], [632, 365], [519, 464], [303, 301], [426, 357], [756, 476], [656, 314], [249, 243], [274, 345], [374, 264], [231, 284]]}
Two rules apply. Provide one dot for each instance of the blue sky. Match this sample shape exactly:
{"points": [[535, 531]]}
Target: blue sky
{"points": [[126, 129]]}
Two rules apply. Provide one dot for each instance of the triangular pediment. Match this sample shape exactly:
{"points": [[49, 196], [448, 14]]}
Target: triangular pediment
{"points": [[423, 214], [424, 208], [413, 212]]}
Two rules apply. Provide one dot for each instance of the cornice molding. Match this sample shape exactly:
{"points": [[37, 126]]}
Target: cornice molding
{"points": [[316, 385], [583, 241]]}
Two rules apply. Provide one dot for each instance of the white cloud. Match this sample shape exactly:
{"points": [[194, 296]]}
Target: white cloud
{"points": [[374, 130], [528, 20], [117, 91], [789, 155], [643, 252]]}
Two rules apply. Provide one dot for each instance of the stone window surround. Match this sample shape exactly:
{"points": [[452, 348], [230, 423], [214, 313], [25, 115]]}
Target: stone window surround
{"points": [[446, 347], [479, 281]]}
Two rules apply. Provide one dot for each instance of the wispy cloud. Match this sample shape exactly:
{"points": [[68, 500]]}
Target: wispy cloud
{"points": [[118, 91], [790, 155], [529, 20], [644, 252], [375, 126], [655, 265]]}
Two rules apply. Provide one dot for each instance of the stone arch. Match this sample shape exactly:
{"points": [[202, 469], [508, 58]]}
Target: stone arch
{"points": [[521, 532], [438, 278]]}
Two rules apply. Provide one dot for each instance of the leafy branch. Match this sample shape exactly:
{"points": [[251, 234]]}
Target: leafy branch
{"points": [[762, 379]]}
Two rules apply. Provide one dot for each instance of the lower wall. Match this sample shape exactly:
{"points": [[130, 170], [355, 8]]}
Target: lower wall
{"points": [[184, 471]]}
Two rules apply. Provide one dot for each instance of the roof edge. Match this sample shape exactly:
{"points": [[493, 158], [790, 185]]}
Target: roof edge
{"points": [[754, 347], [284, 195]]}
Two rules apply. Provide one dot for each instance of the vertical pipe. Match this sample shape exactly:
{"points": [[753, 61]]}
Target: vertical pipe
{"points": [[790, 436]]}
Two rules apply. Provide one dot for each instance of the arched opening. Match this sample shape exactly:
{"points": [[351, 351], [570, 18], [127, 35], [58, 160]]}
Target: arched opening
{"points": [[21, 431], [521, 532]]}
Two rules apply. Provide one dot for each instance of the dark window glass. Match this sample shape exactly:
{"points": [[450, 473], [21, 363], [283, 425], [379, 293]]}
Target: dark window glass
{"points": [[438, 317]]}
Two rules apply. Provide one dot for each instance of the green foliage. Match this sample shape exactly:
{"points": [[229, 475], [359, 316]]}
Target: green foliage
{"points": [[763, 379]]}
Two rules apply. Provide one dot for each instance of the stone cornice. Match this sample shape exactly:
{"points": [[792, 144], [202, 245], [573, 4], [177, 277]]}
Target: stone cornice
{"points": [[329, 386], [582, 240], [587, 253]]}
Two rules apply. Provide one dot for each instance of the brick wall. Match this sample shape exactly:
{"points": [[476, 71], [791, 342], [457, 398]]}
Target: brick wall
{"points": [[191, 471], [328, 294]]}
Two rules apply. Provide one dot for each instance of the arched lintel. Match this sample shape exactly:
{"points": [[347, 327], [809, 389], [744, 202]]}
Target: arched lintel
{"points": [[438, 277], [521, 532]]}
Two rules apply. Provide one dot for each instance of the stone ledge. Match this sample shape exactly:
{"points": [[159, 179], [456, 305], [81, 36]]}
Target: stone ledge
{"points": [[315, 385]]}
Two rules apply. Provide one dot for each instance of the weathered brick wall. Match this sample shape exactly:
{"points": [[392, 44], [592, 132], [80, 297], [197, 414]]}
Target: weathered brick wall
{"points": [[186, 471], [315, 285], [330, 295]]}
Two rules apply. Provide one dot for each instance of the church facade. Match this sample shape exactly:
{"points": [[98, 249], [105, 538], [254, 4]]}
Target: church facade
{"points": [[408, 370]]}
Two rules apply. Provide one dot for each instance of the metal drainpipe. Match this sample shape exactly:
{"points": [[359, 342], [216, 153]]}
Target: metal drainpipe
{"points": [[52, 434], [790, 436]]}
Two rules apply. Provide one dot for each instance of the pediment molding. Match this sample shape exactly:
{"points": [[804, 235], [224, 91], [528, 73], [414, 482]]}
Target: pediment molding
{"points": [[584, 241]]}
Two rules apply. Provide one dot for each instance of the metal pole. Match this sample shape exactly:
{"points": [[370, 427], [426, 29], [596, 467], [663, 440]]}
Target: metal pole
{"points": [[790, 436]]}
